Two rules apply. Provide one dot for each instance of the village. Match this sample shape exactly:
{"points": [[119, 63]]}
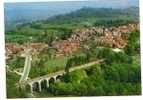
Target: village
{"points": [[112, 37]]}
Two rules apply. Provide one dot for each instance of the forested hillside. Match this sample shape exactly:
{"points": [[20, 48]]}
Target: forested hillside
{"points": [[63, 24]]}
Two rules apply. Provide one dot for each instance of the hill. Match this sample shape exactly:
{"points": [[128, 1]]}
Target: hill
{"points": [[61, 26]]}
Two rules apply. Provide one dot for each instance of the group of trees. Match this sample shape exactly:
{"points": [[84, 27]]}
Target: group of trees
{"points": [[110, 56], [16, 62], [77, 60], [13, 89], [38, 32], [111, 22], [116, 79], [133, 46]]}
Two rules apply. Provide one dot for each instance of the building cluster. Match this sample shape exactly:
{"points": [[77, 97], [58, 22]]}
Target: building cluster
{"points": [[66, 47], [103, 36], [17, 49], [115, 36]]}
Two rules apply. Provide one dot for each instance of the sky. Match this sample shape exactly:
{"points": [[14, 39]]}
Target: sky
{"points": [[44, 0], [124, 3], [103, 1]]}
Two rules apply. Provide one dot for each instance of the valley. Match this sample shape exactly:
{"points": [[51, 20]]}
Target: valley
{"points": [[69, 45]]}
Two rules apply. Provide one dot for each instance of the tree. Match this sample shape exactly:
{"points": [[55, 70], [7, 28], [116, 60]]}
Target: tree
{"points": [[111, 73], [68, 65], [75, 76], [62, 88], [133, 43]]}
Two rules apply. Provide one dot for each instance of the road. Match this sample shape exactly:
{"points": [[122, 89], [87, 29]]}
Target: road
{"points": [[85, 65], [27, 68]]}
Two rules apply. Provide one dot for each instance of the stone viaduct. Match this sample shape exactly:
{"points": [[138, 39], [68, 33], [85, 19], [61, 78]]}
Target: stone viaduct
{"points": [[40, 83]]}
